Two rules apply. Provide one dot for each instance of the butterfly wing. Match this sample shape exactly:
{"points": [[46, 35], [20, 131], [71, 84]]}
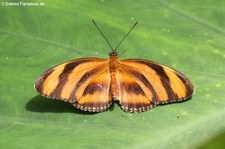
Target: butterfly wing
{"points": [[79, 82], [131, 95], [161, 84], [96, 97]]}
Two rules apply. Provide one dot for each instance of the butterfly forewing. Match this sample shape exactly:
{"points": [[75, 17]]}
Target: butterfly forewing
{"points": [[160, 83], [68, 81]]}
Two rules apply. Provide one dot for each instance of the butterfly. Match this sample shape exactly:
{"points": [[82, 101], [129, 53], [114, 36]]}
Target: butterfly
{"points": [[92, 84]]}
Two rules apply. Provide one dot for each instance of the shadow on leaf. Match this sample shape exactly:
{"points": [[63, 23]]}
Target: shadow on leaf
{"points": [[42, 104]]}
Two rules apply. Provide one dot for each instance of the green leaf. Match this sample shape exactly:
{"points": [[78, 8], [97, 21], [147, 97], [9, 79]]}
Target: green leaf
{"points": [[186, 35]]}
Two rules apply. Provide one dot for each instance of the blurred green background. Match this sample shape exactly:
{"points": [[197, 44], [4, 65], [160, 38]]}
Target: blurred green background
{"points": [[186, 35]]}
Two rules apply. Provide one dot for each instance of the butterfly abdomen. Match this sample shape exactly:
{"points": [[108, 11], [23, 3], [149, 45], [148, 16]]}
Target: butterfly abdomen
{"points": [[114, 85]]}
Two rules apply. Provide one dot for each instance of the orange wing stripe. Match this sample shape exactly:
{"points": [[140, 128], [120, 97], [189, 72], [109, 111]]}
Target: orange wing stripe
{"points": [[50, 83], [63, 77], [38, 84], [189, 86]]}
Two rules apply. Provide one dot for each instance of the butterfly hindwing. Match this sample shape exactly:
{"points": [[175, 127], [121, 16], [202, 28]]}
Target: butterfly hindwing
{"points": [[160, 83], [131, 95], [96, 96]]}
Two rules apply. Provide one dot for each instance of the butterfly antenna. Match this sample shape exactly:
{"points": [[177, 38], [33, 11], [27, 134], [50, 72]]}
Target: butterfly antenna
{"points": [[126, 35], [103, 35]]}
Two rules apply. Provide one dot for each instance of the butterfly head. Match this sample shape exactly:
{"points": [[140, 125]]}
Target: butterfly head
{"points": [[113, 53]]}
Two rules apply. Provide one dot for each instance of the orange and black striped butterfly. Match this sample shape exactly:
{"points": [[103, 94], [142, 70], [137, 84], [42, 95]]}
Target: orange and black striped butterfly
{"points": [[92, 84]]}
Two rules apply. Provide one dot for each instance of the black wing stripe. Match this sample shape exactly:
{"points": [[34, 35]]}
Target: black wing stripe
{"points": [[134, 88], [92, 88], [187, 83], [85, 77], [144, 80], [63, 77], [38, 84], [163, 77]]}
